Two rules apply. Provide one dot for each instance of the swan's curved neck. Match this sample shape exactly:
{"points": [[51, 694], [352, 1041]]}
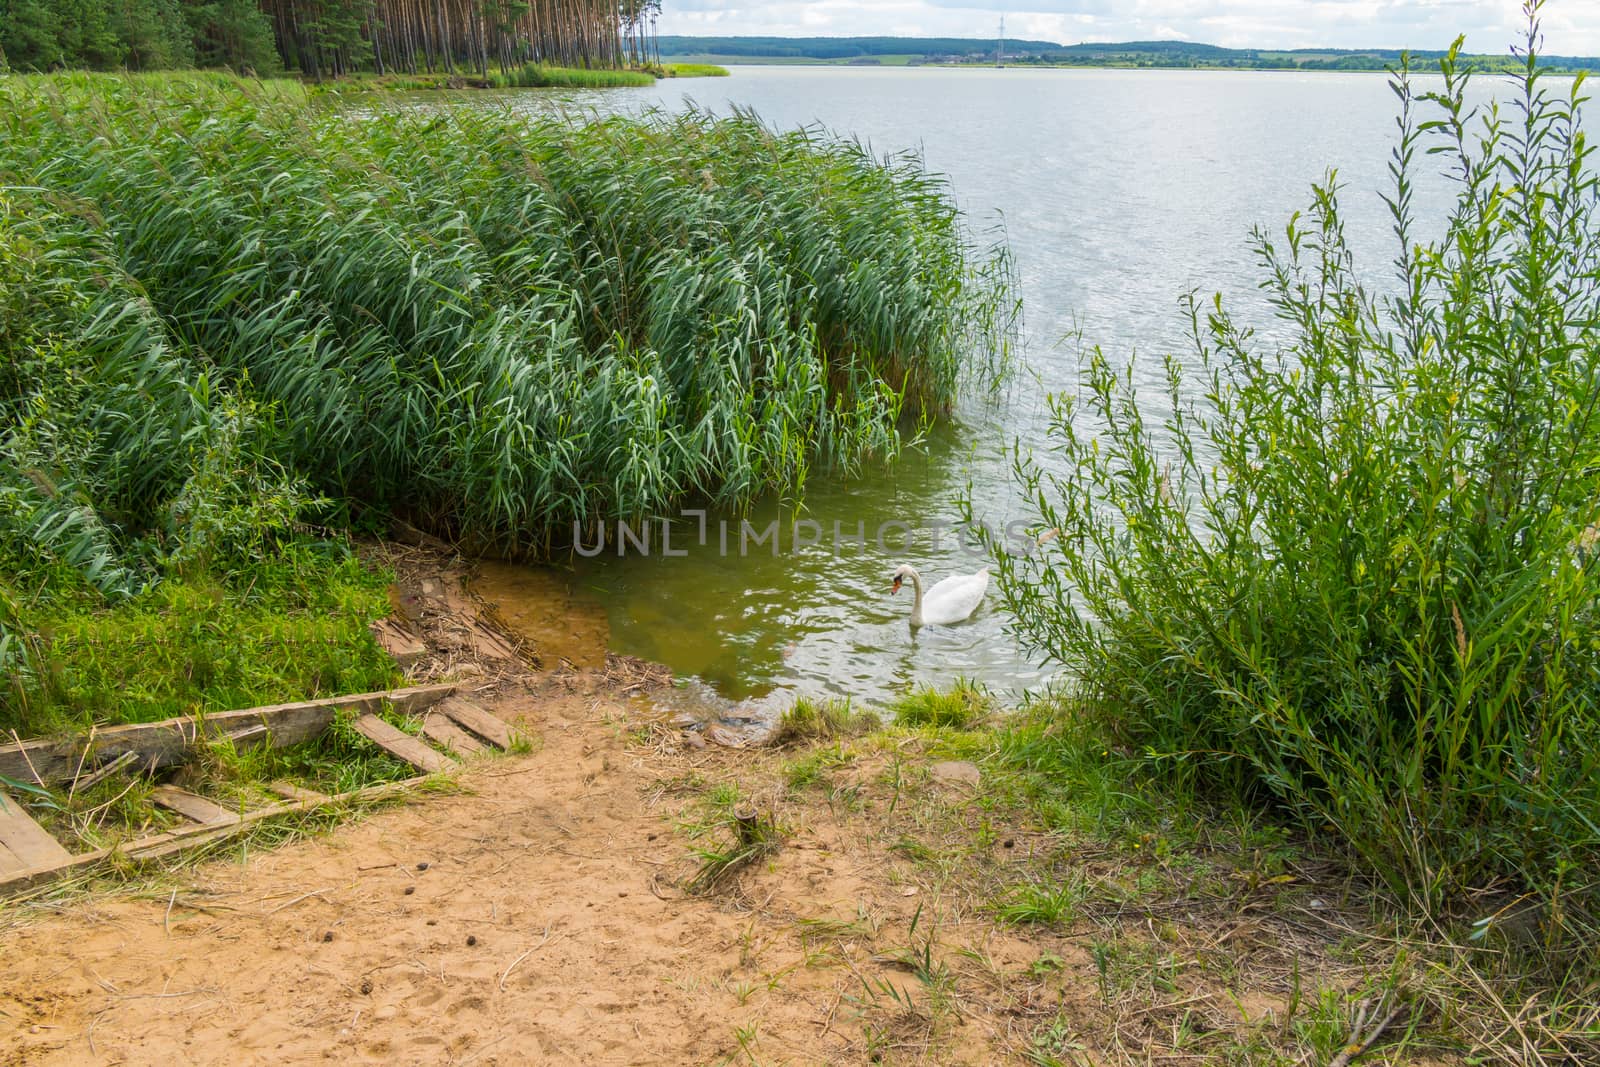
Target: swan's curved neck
{"points": [[916, 605]]}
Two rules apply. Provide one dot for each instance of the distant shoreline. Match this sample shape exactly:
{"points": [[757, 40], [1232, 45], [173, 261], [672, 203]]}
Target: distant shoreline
{"points": [[732, 62], [1129, 55]]}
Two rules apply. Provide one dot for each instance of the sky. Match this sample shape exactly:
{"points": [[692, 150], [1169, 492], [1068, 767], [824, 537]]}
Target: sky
{"points": [[1571, 27]]}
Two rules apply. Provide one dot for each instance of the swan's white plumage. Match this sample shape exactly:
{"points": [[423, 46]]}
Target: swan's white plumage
{"points": [[947, 601]]}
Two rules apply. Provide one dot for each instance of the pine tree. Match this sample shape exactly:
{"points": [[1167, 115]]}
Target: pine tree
{"points": [[233, 33]]}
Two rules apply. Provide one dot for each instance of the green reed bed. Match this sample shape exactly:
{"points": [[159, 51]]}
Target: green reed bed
{"points": [[225, 314], [544, 76], [694, 70], [1353, 578]]}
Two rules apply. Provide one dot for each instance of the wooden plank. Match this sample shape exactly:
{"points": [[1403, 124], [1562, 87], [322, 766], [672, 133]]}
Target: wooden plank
{"points": [[186, 837], [443, 731], [403, 645], [197, 808], [401, 745], [23, 842], [167, 744], [480, 722], [290, 791]]}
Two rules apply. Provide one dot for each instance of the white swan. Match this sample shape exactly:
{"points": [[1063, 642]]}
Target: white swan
{"points": [[950, 600]]}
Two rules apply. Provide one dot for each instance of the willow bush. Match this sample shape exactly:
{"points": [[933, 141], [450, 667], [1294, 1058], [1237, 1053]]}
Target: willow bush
{"points": [[1352, 576]]}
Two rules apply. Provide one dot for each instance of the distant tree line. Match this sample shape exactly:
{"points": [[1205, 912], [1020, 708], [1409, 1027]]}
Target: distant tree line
{"points": [[1204, 56], [1179, 54], [841, 47], [323, 38]]}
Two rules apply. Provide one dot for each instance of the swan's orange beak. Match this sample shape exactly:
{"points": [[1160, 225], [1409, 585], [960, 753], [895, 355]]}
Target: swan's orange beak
{"points": [[896, 588]]}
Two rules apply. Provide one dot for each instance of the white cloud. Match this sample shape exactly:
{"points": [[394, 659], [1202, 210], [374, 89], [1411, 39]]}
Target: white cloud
{"points": [[1571, 27]]}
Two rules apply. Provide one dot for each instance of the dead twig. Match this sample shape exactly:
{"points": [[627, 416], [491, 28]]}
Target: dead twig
{"points": [[23, 748], [83, 754], [514, 963], [94, 778], [298, 899], [1359, 1042]]}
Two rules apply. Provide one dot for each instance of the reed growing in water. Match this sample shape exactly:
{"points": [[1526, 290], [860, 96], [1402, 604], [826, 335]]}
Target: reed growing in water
{"points": [[543, 76], [224, 312]]}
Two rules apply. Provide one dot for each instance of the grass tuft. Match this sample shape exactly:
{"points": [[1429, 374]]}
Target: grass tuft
{"points": [[813, 719], [961, 707]]}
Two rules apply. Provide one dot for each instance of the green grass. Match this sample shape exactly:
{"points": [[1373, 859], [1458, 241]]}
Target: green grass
{"points": [[730, 834], [813, 719], [299, 630], [814, 767], [961, 707], [1044, 903]]}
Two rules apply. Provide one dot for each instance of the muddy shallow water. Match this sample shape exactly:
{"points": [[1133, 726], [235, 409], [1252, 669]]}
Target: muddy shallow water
{"points": [[546, 608]]}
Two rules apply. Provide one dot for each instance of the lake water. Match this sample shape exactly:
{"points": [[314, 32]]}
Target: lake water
{"points": [[1119, 191]]}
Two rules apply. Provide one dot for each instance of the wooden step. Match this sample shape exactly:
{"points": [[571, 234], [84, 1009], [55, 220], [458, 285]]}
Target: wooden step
{"points": [[290, 791], [195, 808], [23, 842], [176, 840], [443, 731], [169, 743], [480, 722], [402, 745]]}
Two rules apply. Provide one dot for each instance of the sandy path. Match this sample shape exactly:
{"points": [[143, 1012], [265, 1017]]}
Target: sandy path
{"points": [[556, 867], [557, 841]]}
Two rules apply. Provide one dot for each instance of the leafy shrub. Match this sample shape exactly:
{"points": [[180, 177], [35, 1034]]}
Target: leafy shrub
{"points": [[1353, 577]]}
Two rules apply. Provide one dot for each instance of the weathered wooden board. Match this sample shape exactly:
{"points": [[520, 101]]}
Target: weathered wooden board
{"points": [[193, 807], [166, 744], [186, 837], [23, 842], [442, 730], [480, 722], [403, 645], [290, 791], [402, 745]]}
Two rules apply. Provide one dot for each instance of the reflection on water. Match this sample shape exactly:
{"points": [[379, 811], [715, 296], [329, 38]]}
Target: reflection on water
{"points": [[1119, 192], [814, 617]]}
